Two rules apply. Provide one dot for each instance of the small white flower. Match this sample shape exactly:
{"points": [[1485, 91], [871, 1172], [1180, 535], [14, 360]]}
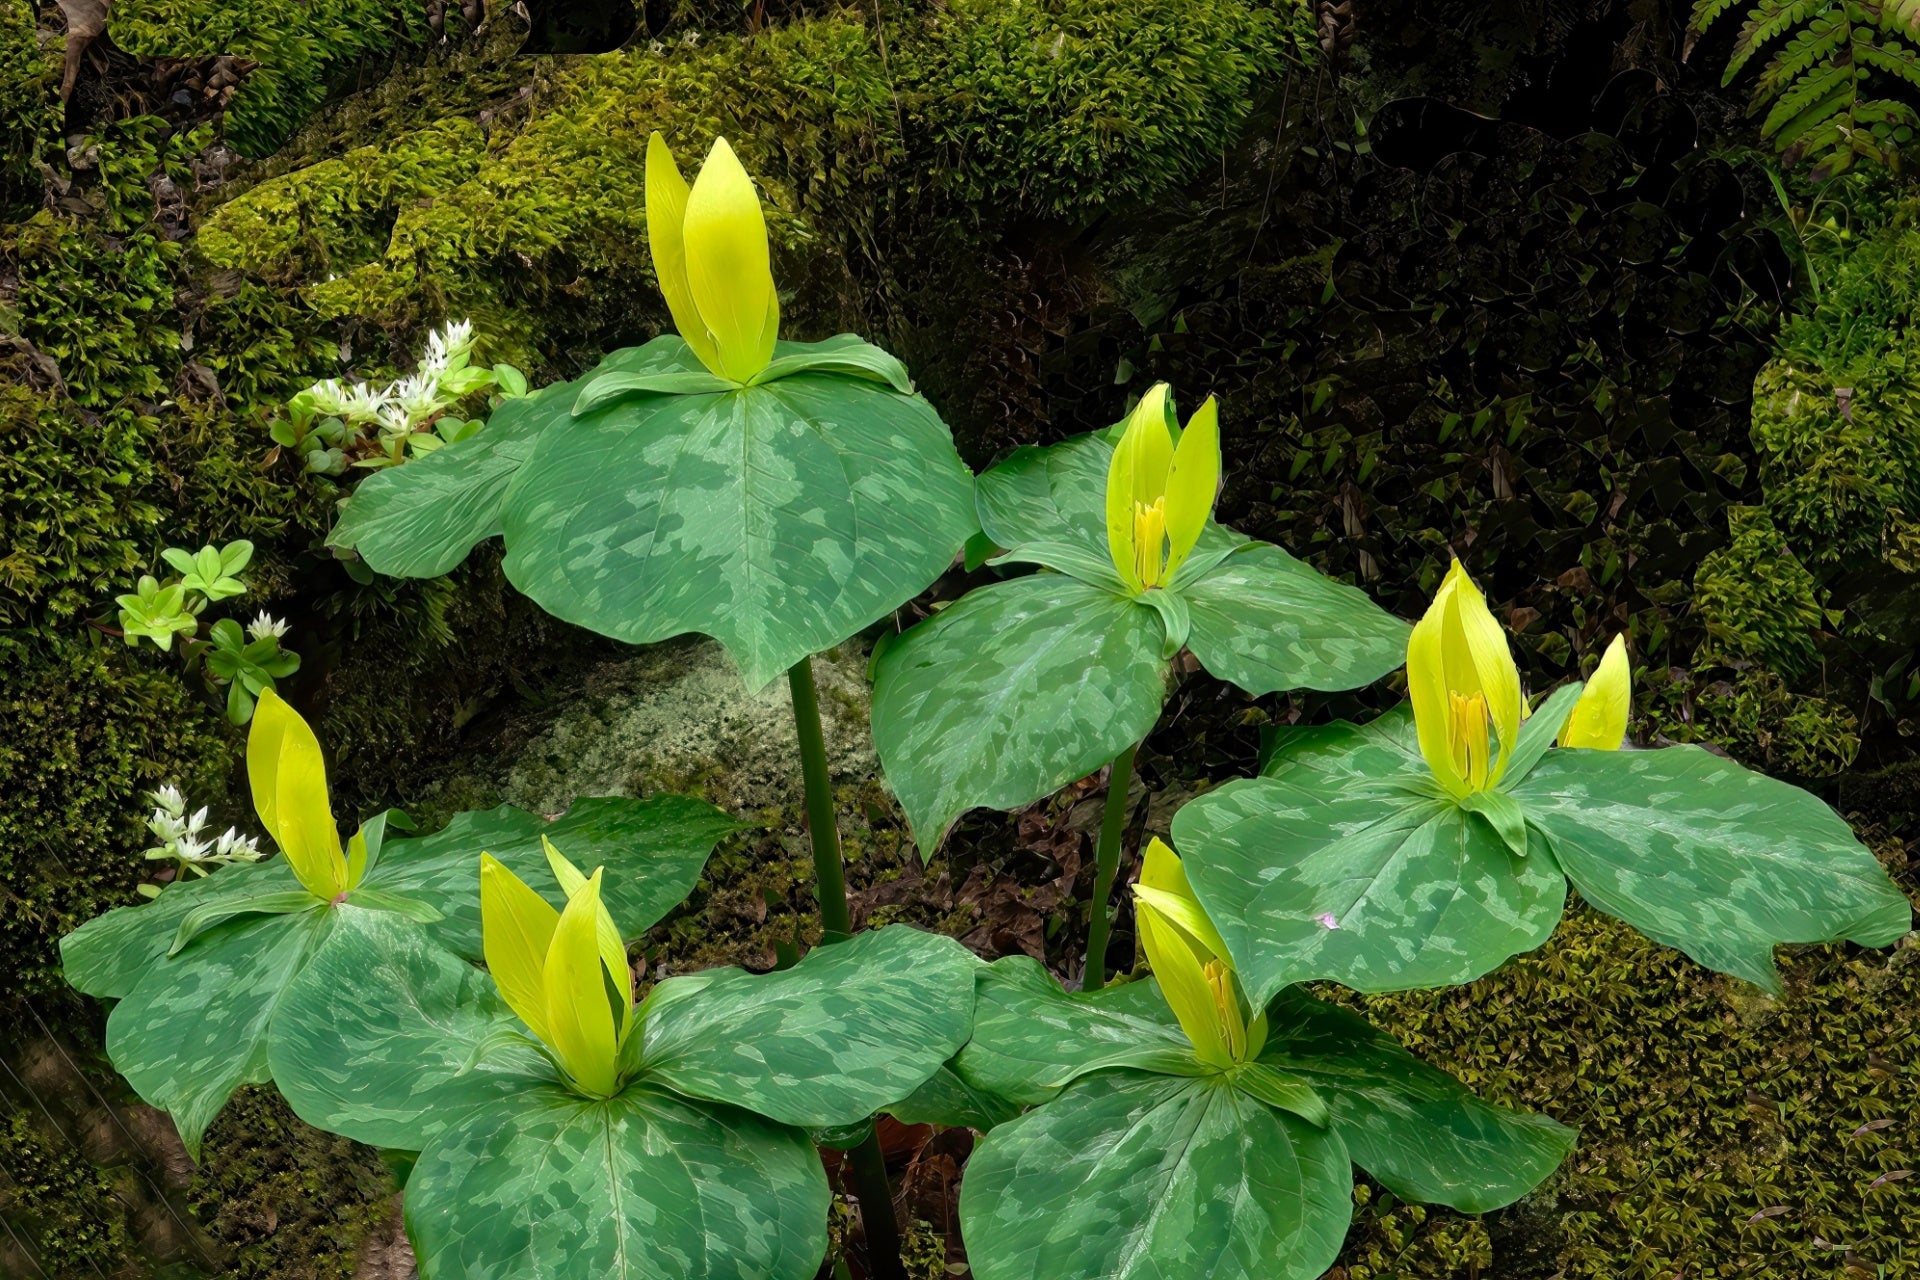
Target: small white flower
{"points": [[265, 624], [166, 827], [363, 403], [447, 347], [188, 849], [328, 397], [196, 822], [169, 799], [234, 847]]}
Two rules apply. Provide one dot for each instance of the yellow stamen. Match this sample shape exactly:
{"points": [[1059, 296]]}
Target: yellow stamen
{"points": [[1150, 540], [1470, 734], [1226, 1007]]}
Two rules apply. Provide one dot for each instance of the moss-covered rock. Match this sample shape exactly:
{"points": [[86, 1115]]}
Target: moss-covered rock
{"points": [[1758, 602]]}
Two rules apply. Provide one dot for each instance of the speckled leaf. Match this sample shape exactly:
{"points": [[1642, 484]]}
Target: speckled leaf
{"points": [[1031, 1037], [1380, 891], [1011, 693], [1701, 854], [849, 1030], [779, 519], [949, 1101], [1058, 494], [653, 850], [386, 1038], [106, 956], [1383, 749], [194, 1028], [419, 520], [1415, 1128], [1139, 1177], [645, 1186], [1266, 622]]}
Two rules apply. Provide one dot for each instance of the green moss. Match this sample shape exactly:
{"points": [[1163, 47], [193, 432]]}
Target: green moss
{"points": [[29, 100], [1839, 464], [55, 1197], [300, 46], [1757, 600], [1754, 716], [86, 730]]}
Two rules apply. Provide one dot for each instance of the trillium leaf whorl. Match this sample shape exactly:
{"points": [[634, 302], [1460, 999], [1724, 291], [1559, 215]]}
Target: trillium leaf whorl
{"points": [[1430, 845]]}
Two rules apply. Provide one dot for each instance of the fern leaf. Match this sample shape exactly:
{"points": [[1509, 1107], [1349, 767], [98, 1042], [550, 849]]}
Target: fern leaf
{"points": [[1891, 57], [1707, 12], [1818, 145], [1812, 99], [1800, 54], [1900, 16], [1769, 20]]}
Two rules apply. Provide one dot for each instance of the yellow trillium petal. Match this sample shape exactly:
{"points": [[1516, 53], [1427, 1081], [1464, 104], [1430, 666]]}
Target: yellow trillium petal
{"points": [[516, 928], [1192, 483], [580, 1025], [288, 777], [1181, 971], [1599, 719], [1164, 884], [666, 216], [1494, 671], [613, 948], [1427, 689], [729, 268], [1136, 480]]}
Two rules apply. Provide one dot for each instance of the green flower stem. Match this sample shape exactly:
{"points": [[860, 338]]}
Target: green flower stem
{"points": [[830, 878], [876, 1210], [1113, 821]]}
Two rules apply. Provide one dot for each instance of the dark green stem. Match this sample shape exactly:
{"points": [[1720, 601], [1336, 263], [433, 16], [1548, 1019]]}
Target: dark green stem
{"points": [[1113, 822], [876, 1210], [830, 879]]}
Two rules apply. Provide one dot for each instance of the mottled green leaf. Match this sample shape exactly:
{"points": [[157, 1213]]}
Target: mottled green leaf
{"points": [[1537, 733], [106, 956], [1266, 622], [1031, 1038], [844, 353], [1011, 693], [948, 1100], [1383, 749], [849, 1030], [194, 1028], [644, 1186], [1139, 1177], [421, 519], [1699, 853], [278, 902], [386, 1038], [1312, 876], [779, 519], [653, 850], [1416, 1129]]}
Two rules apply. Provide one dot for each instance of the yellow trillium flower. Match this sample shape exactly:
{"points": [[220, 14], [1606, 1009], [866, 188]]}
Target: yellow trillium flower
{"points": [[1191, 962], [553, 967], [1159, 492], [288, 777], [1599, 719], [709, 245], [1465, 688]]}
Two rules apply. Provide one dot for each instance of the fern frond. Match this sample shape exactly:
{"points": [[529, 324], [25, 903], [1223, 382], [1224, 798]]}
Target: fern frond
{"points": [[1891, 57], [1707, 12], [1815, 97], [1809, 47], [1818, 145], [1768, 21], [1900, 16]]}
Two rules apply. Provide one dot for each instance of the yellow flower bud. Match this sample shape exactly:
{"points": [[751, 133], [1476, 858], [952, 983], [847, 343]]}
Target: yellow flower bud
{"points": [[1465, 688], [710, 254]]}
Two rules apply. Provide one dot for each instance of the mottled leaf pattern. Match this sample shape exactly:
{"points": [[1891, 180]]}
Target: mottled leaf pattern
{"points": [[653, 850], [1010, 694], [1128, 1176], [387, 1038], [1030, 1037], [1415, 1128], [194, 1028], [421, 519], [1384, 749], [1266, 622], [645, 1186], [106, 956], [1382, 892], [947, 1100], [779, 519], [851, 1029], [1701, 854]]}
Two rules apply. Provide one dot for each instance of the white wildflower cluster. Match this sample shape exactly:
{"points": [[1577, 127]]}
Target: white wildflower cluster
{"points": [[407, 404], [183, 836]]}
